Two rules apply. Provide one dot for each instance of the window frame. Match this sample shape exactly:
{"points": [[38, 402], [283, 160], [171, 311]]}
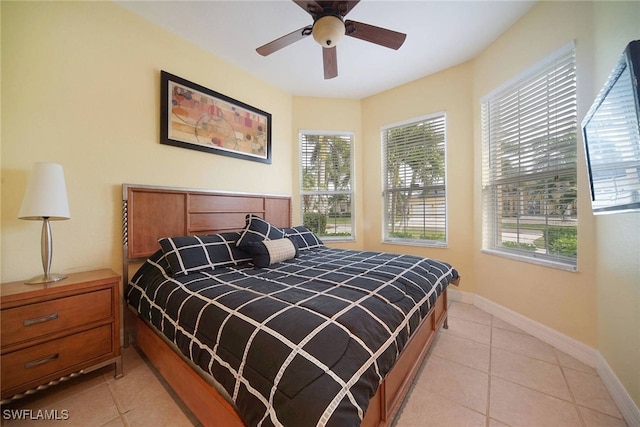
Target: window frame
{"points": [[386, 238], [350, 192], [491, 219]]}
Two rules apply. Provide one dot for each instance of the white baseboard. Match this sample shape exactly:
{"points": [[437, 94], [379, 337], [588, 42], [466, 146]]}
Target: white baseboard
{"points": [[626, 405], [562, 342], [460, 296]]}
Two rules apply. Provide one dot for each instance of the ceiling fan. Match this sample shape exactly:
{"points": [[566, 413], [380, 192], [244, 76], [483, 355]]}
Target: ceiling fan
{"points": [[329, 27]]}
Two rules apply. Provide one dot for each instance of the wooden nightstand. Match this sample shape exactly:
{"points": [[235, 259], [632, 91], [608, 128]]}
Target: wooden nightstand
{"points": [[51, 332]]}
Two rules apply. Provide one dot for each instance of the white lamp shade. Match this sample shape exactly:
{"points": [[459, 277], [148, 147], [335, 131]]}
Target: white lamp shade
{"points": [[46, 195], [328, 31]]}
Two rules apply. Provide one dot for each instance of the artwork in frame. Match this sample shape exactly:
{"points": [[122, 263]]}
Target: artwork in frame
{"points": [[192, 116]]}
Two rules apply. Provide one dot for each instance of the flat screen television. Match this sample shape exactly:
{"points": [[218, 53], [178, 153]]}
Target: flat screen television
{"points": [[611, 131]]}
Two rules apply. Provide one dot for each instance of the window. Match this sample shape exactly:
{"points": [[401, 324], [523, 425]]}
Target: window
{"points": [[326, 183], [415, 196], [529, 188]]}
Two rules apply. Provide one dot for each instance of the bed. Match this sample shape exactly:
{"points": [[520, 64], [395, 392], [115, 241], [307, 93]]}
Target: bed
{"points": [[255, 322]]}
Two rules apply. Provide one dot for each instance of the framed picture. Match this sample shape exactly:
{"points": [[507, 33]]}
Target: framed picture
{"points": [[192, 116]]}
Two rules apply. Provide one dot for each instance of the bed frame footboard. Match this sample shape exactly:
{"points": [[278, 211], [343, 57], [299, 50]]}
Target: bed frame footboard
{"points": [[201, 398], [212, 409]]}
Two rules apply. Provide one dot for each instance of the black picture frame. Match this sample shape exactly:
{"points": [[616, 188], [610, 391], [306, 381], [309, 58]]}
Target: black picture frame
{"points": [[197, 118]]}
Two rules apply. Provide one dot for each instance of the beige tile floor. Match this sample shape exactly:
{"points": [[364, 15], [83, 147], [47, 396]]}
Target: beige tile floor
{"points": [[480, 372]]}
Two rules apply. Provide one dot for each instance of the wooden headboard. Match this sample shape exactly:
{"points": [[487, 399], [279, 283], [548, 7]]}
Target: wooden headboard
{"points": [[151, 212]]}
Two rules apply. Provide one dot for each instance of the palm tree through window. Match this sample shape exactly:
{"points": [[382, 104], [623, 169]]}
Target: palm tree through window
{"points": [[415, 197], [327, 189]]}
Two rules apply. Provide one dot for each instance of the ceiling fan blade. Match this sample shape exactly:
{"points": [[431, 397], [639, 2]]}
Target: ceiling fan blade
{"points": [[371, 33], [283, 41], [330, 62]]}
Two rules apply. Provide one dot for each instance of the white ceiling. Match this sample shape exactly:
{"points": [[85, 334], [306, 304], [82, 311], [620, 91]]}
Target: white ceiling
{"points": [[440, 34]]}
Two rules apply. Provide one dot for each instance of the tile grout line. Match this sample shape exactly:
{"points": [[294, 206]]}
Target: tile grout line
{"points": [[431, 355], [558, 364], [467, 366], [578, 405], [455, 401], [117, 402], [573, 397], [488, 410]]}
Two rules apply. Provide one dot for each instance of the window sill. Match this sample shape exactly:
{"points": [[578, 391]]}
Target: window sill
{"points": [[530, 260], [424, 244], [337, 239]]}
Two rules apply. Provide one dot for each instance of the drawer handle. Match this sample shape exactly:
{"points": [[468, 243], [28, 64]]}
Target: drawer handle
{"points": [[41, 361], [42, 319]]}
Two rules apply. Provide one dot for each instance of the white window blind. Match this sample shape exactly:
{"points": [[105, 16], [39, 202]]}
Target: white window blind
{"points": [[415, 197], [529, 192], [326, 160]]}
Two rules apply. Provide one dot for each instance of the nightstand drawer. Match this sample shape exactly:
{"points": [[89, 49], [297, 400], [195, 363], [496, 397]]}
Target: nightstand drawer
{"points": [[34, 320], [40, 361]]}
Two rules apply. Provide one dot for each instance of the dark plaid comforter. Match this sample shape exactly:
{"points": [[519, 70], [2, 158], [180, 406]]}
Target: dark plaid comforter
{"points": [[300, 343]]}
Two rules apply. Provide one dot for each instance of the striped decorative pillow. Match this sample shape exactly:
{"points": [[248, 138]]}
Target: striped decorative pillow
{"points": [[270, 252]]}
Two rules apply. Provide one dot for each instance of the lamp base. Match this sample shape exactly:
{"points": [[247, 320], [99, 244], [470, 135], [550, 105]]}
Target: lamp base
{"points": [[44, 278]]}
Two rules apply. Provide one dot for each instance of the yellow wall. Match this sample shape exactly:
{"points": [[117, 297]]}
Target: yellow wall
{"points": [[564, 301], [449, 91], [80, 86], [617, 236], [327, 114], [600, 303]]}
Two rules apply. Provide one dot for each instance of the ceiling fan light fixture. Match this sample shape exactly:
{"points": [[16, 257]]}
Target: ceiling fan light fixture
{"points": [[328, 31]]}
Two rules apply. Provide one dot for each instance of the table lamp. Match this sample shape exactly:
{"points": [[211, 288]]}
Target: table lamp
{"points": [[46, 200]]}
